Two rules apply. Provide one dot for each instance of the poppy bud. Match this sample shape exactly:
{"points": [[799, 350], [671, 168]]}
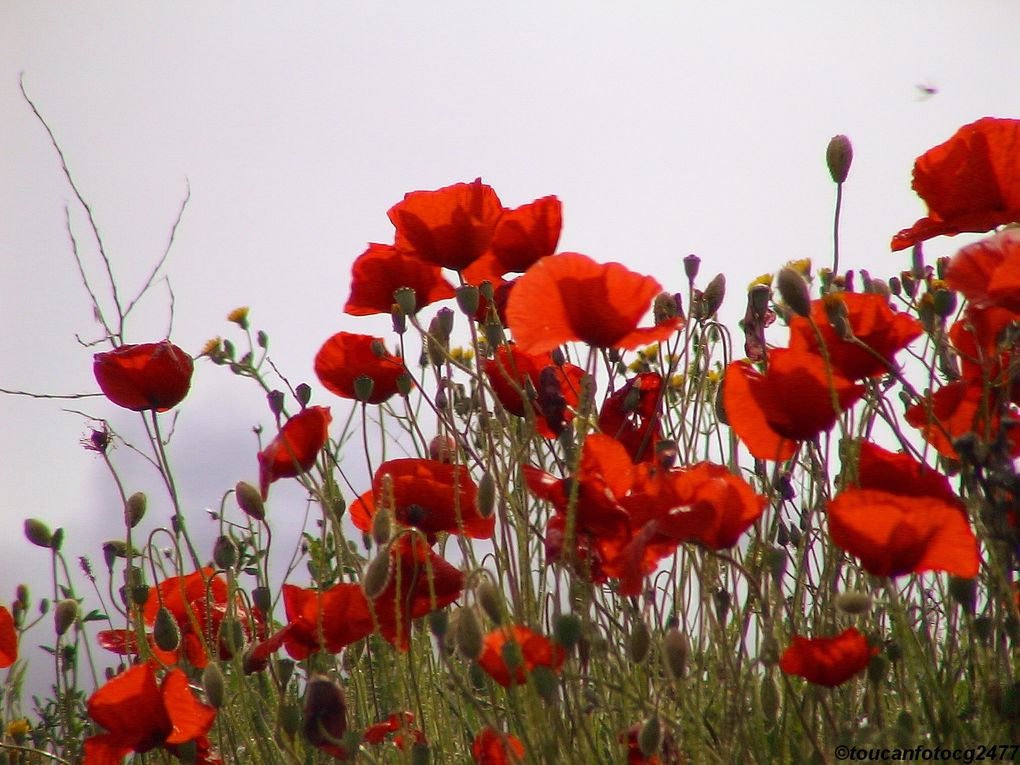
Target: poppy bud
{"points": [[263, 600], [794, 291], [262, 339], [213, 683], [377, 575], [486, 496], [250, 501], [468, 635], [406, 300], [853, 602], [165, 632], [639, 642], [838, 315], [467, 299], [275, 400], [382, 526], [838, 156], [964, 592], [712, 297], [776, 560], [420, 753], [758, 301], [490, 599], [399, 320], [44, 606], [443, 449], [675, 651], [944, 302], [650, 736], [769, 696], [21, 595], [567, 630], [895, 287], [439, 623], [231, 636], [404, 385], [691, 265], [722, 600], [224, 552], [325, 714], [666, 453], [303, 393], [37, 532], [64, 615], [664, 308], [877, 669]]}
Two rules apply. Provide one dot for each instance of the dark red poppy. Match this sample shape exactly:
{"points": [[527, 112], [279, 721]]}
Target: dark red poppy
{"points": [[827, 661], [493, 748], [571, 297], [430, 495], [631, 415], [139, 715], [523, 236], [883, 331], [148, 376], [987, 273], [536, 650], [450, 227], [345, 357], [8, 639], [557, 388], [400, 723], [904, 518], [970, 183], [295, 447], [328, 620], [324, 720], [381, 270], [791, 402]]}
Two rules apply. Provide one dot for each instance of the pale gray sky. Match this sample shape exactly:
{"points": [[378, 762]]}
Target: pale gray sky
{"points": [[664, 127]]}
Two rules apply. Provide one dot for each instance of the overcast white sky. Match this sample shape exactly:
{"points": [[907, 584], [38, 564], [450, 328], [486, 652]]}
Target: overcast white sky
{"points": [[664, 127]]}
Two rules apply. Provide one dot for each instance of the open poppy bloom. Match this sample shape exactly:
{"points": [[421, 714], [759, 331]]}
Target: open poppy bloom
{"points": [[381, 270], [970, 183], [987, 273], [8, 639], [295, 447], [328, 620], [790, 402], [449, 227], [571, 297], [139, 715], [345, 357], [376, 733], [904, 518], [827, 661], [631, 415], [536, 650], [148, 376], [874, 324], [522, 237], [557, 387], [493, 748], [430, 495]]}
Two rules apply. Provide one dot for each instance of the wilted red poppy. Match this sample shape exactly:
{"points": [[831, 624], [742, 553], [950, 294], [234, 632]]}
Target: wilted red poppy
{"points": [[536, 650], [970, 183], [631, 415], [449, 227], [493, 748], [345, 357], [376, 733], [791, 402], [988, 272], [523, 236], [148, 376], [427, 494], [328, 620], [874, 324], [827, 661], [8, 639], [325, 716], [557, 388], [571, 297], [904, 518], [381, 270], [139, 715], [295, 447]]}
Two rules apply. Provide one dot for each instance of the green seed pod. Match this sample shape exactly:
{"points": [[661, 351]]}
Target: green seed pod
{"points": [[769, 697], [224, 552], [567, 630], [140, 594], [57, 540], [363, 385], [691, 265], [639, 642], [469, 634], [250, 501], [406, 300], [794, 291], [676, 649], [467, 299], [650, 736], [214, 684], [491, 600], [263, 600], [377, 575], [165, 631], [65, 613], [134, 509], [486, 497], [838, 156], [665, 308], [231, 635], [853, 602], [38, 533]]}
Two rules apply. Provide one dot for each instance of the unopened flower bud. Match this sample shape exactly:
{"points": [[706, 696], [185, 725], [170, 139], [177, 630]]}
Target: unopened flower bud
{"points": [[263, 600], [21, 595], [213, 684], [250, 501], [467, 299], [325, 713], [469, 634], [275, 400], [838, 156], [486, 497], [567, 630], [37, 532], [838, 315], [382, 526], [65, 613], [57, 540], [650, 736], [303, 393], [769, 695], [664, 308], [439, 623], [944, 302], [377, 575], [443, 449], [853, 602], [490, 599], [712, 297], [165, 632], [691, 264], [878, 667], [639, 642], [399, 319], [363, 385], [675, 651], [134, 509], [964, 592], [224, 552], [794, 291]]}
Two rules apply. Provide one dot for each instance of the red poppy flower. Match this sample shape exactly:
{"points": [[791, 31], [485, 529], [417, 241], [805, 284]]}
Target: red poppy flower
{"points": [[957, 408], [522, 237], [8, 639], [970, 183], [381, 270], [197, 602], [428, 494], [148, 376], [571, 297], [631, 415], [295, 447], [345, 357], [536, 651], [327, 620], [557, 387], [449, 227], [791, 402], [398, 721], [874, 324], [139, 715], [903, 518], [986, 353], [325, 716], [827, 661], [493, 748], [988, 272]]}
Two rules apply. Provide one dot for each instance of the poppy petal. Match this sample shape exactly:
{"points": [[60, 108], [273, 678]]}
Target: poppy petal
{"points": [[381, 270], [147, 376], [827, 661], [189, 717], [8, 639]]}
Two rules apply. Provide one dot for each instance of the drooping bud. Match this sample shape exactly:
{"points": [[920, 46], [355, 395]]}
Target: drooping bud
{"points": [[490, 599], [382, 526], [794, 291], [769, 695], [262, 598], [664, 308], [325, 714], [249, 499], [134, 509], [964, 592], [567, 630], [675, 651], [38, 533], [639, 642], [650, 736], [853, 602], [377, 575], [275, 400], [486, 497], [65, 613], [838, 315], [165, 632], [213, 683], [712, 297], [468, 635], [838, 156], [439, 623]]}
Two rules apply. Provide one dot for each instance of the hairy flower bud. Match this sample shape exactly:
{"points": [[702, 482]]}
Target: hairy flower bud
{"points": [[377, 575], [794, 291], [224, 552], [838, 156], [675, 651], [853, 602], [213, 684], [134, 509], [325, 713], [250, 501], [65, 613], [712, 297], [490, 599], [650, 736], [567, 630], [165, 632], [468, 635], [37, 532], [639, 642]]}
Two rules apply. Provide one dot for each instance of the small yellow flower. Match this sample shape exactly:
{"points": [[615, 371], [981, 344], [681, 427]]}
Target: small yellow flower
{"points": [[765, 279], [463, 355], [650, 351], [18, 729], [239, 316], [802, 267], [638, 364], [714, 375], [938, 284], [676, 382], [212, 347]]}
